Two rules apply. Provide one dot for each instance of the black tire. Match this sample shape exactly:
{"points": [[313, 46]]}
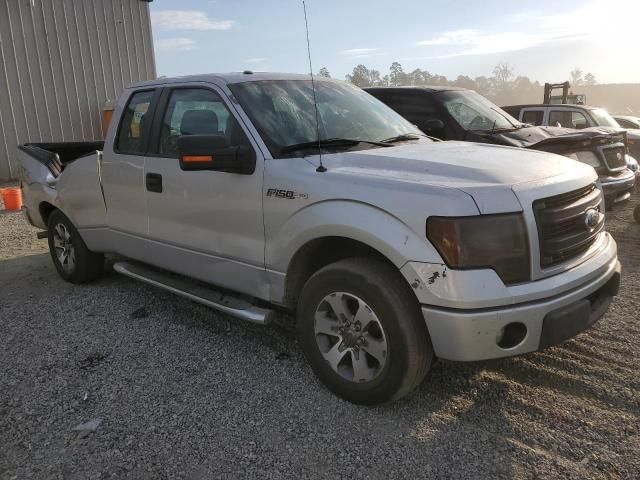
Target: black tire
{"points": [[87, 265], [636, 214], [409, 353]]}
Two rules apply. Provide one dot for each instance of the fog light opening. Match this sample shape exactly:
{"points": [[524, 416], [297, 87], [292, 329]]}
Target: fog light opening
{"points": [[512, 335]]}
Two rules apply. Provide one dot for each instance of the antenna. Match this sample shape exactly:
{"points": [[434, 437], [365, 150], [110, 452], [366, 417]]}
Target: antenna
{"points": [[321, 168]]}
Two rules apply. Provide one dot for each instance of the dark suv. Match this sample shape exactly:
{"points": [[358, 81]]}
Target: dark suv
{"points": [[450, 113]]}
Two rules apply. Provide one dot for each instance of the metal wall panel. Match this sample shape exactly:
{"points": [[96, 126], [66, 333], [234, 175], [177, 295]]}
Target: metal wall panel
{"points": [[60, 61]]}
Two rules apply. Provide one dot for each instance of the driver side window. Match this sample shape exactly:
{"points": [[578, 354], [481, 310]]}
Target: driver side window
{"points": [[196, 111]]}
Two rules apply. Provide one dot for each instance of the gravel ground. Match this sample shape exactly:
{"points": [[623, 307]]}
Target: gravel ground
{"points": [[184, 392]]}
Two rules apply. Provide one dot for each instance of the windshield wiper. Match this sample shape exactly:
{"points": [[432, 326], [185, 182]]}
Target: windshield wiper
{"points": [[493, 130], [516, 127], [404, 137], [329, 142]]}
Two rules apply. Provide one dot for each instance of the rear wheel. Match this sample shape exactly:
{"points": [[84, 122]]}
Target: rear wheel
{"points": [[73, 260], [362, 331]]}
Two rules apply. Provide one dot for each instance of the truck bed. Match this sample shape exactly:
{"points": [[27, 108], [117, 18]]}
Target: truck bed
{"points": [[56, 156]]}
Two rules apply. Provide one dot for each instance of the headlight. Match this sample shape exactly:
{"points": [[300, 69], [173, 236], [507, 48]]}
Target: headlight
{"points": [[498, 242], [632, 164], [587, 157]]}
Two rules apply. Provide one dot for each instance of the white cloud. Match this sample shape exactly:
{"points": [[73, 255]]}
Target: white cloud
{"points": [[473, 42], [255, 60], [187, 20], [455, 37], [175, 44], [595, 20], [359, 52]]}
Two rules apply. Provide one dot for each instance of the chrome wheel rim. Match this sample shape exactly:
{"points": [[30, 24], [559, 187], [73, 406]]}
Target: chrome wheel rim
{"points": [[350, 337], [64, 249]]}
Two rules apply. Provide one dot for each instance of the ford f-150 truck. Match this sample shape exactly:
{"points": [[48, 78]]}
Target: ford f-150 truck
{"points": [[258, 194]]}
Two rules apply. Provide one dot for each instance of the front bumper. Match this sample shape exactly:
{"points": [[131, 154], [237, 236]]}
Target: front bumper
{"points": [[470, 335], [618, 189]]}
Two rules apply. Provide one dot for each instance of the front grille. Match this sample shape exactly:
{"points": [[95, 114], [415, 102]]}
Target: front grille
{"points": [[615, 157], [562, 229]]}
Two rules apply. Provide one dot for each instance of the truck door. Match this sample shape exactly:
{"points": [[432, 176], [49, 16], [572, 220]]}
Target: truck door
{"points": [[205, 224], [122, 173], [568, 118], [532, 116]]}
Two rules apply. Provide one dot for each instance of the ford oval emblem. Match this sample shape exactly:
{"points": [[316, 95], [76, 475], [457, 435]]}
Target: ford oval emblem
{"points": [[592, 218], [619, 156]]}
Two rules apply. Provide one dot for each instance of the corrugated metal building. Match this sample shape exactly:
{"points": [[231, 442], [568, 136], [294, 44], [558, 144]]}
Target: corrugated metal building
{"points": [[60, 61]]}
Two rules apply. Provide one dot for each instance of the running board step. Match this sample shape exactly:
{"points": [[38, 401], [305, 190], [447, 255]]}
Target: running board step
{"points": [[196, 291]]}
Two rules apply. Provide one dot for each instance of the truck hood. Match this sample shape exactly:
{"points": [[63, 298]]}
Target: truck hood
{"points": [[485, 172]]}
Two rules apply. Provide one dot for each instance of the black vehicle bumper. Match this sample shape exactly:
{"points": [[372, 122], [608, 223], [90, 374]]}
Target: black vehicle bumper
{"points": [[567, 322]]}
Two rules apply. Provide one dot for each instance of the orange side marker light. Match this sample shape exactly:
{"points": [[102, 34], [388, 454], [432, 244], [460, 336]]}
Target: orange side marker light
{"points": [[197, 158]]}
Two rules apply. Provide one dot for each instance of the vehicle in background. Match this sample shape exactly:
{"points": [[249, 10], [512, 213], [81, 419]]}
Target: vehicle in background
{"points": [[450, 113], [572, 116], [390, 248], [628, 121], [578, 117]]}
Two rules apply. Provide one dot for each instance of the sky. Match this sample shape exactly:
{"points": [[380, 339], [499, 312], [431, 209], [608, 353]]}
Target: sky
{"points": [[541, 39]]}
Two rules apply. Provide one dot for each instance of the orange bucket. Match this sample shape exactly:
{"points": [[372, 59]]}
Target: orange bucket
{"points": [[12, 198]]}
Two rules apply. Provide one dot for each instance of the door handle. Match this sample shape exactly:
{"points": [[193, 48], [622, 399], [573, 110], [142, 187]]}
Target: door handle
{"points": [[154, 182]]}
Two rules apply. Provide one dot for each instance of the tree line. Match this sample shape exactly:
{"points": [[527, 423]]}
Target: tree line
{"points": [[503, 86]]}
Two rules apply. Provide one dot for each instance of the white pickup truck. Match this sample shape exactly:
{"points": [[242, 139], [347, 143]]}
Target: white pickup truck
{"points": [[391, 249]]}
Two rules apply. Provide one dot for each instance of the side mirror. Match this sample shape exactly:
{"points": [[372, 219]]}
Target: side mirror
{"points": [[433, 127], [213, 152], [433, 124]]}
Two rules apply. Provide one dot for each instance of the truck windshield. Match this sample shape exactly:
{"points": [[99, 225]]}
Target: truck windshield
{"points": [[283, 113], [603, 119], [474, 112]]}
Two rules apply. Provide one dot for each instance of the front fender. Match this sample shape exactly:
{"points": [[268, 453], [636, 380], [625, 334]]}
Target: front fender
{"points": [[350, 219]]}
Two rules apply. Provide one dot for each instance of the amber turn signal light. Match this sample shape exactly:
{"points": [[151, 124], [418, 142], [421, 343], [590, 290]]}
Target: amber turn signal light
{"points": [[197, 158]]}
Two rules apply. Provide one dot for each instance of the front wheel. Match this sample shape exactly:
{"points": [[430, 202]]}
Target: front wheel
{"points": [[362, 331], [73, 260]]}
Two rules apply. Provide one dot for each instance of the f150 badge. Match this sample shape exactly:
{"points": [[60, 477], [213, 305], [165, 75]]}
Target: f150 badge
{"points": [[288, 194]]}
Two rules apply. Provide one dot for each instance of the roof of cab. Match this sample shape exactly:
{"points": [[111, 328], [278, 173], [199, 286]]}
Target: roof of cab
{"points": [[555, 105], [228, 78]]}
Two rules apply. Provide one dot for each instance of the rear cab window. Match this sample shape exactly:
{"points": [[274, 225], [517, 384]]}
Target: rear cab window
{"points": [[134, 125]]}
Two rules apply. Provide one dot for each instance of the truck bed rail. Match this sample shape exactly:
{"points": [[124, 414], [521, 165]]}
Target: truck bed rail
{"points": [[55, 156]]}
